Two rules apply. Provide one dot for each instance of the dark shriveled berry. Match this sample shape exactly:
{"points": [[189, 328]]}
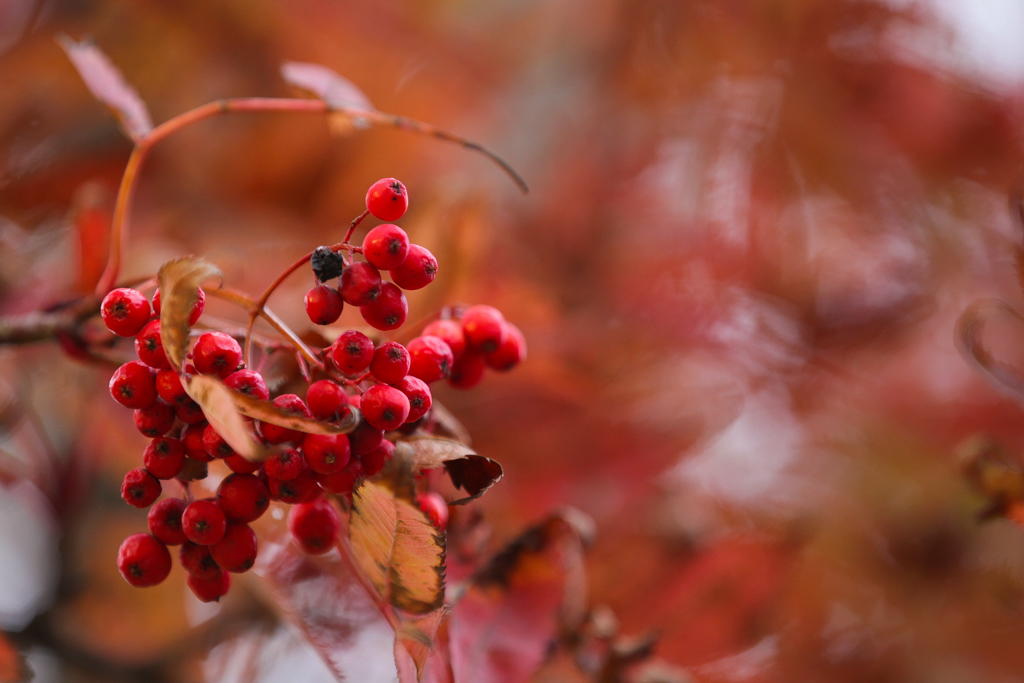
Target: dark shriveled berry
{"points": [[327, 264]]}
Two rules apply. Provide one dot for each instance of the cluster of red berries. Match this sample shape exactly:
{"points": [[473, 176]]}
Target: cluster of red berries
{"points": [[389, 384]]}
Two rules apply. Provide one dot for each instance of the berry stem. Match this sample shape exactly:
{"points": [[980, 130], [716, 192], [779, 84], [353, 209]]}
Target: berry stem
{"points": [[355, 222]]}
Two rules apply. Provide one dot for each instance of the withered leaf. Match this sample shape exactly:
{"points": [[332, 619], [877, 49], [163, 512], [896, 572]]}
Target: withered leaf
{"points": [[468, 471], [396, 546], [329, 86], [108, 85], [970, 330], [265, 411], [179, 290], [416, 637], [218, 404], [446, 424]]}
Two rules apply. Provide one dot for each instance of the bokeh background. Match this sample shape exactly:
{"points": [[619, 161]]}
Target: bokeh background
{"points": [[751, 230]]}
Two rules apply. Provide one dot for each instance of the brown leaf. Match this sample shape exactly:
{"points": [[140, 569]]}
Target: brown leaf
{"points": [[179, 290], [446, 424], [416, 638], [265, 411], [473, 473], [969, 331], [514, 607], [218, 404], [106, 83], [325, 83], [396, 546]]}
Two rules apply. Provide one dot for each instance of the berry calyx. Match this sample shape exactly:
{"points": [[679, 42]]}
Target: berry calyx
{"points": [[323, 304], [216, 353], [430, 358], [164, 457], [451, 332], [293, 405], [387, 199], [236, 550], [156, 419], [326, 453], [417, 270], [150, 347], [209, 590], [193, 315], [133, 385], [164, 521], [388, 311], [435, 508], [140, 488], [484, 327], [143, 560], [511, 352], [386, 246], [243, 497], [314, 526], [418, 393], [248, 382], [360, 284], [125, 312], [327, 401], [390, 363], [385, 407], [352, 352], [203, 522]]}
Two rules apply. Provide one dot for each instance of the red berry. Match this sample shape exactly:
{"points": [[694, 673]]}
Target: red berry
{"points": [[386, 246], [203, 522], [364, 438], [209, 590], [165, 521], [170, 389], [285, 465], [197, 309], [418, 393], [327, 401], [430, 358], [300, 489], [341, 483], [323, 304], [293, 405], [360, 284], [468, 372], [385, 407], [243, 497], [125, 312], [150, 347], [143, 560], [216, 353], [133, 385], [164, 457], [236, 551], [511, 352], [240, 464], [417, 270], [326, 453], [140, 488], [190, 412], [248, 382], [215, 444], [388, 311], [155, 419], [484, 327], [352, 352], [314, 526], [390, 362], [451, 332], [192, 439], [434, 508], [197, 561], [387, 199], [374, 461]]}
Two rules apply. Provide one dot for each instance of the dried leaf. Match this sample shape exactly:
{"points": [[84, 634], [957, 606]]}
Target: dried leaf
{"points": [[179, 290], [513, 608], [446, 424], [396, 546], [265, 411], [325, 83], [218, 404], [106, 83], [970, 328], [416, 638], [473, 473]]}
